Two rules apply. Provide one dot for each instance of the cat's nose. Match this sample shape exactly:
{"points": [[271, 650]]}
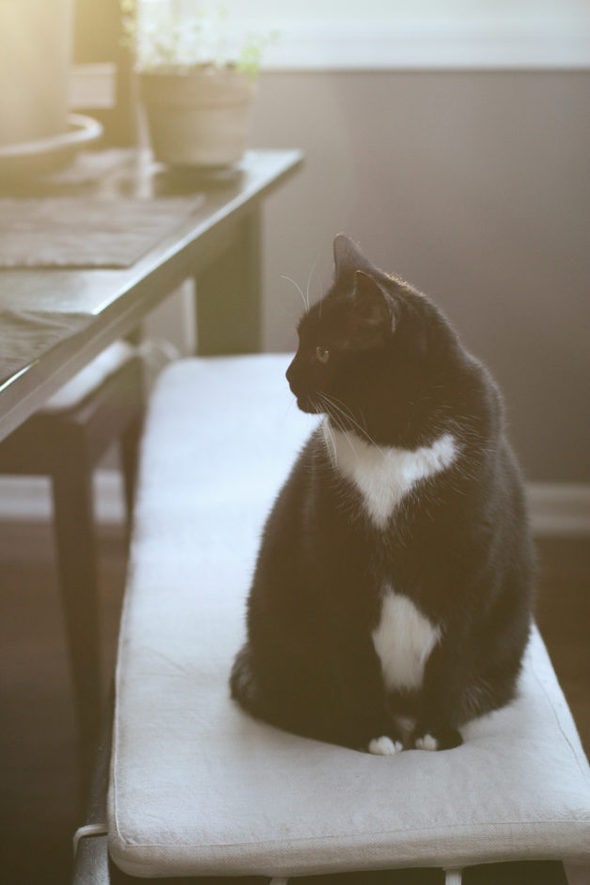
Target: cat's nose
{"points": [[291, 373]]}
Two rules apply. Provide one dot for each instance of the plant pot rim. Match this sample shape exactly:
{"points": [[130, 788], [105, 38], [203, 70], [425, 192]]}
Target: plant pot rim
{"points": [[209, 69]]}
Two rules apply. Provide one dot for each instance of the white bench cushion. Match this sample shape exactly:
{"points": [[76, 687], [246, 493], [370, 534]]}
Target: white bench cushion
{"points": [[90, 377], [198, 787]]}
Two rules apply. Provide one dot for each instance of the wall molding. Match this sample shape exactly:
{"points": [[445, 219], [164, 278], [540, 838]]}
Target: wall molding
{"points": [[404, 44], [435, 44], [557, 509]]}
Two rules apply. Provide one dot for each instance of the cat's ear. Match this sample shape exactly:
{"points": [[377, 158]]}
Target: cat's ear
{"points": [[371, 312], [348, 258]]}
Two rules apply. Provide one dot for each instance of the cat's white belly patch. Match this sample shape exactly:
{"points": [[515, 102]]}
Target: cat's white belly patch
{"points": [[386, 474], [403, 640]]}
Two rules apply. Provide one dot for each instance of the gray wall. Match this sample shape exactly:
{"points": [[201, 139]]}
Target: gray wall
{"points": [[476, 188]]}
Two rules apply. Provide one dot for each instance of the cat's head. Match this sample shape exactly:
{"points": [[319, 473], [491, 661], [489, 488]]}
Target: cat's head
{"points": [[372, 335]]}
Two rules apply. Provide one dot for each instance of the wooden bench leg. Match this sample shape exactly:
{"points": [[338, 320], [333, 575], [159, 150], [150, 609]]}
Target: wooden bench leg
{"points": [[77, 565]]}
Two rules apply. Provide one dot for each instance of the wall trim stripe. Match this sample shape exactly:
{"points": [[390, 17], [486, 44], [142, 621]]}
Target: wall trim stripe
{"points": [[557, 509], [440, 44]]}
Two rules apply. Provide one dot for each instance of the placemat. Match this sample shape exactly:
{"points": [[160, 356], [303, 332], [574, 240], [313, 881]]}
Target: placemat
{"points": [[27, 334], [86, 232]]}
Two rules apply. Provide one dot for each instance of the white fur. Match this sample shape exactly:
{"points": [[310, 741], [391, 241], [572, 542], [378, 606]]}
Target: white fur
{"points": [[385, 474], [384, 746], [403, 640], [428, 742]]}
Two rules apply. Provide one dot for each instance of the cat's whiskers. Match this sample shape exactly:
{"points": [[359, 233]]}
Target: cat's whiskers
{"points": [[329, 439], [327, 429], [338, 421], [346, 416], [330, 409], [337, 417], [332, 422], [304, 297], [290, 405]]}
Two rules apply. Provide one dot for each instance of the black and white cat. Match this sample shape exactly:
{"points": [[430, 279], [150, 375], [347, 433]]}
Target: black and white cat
{"points": [[391, 601]]}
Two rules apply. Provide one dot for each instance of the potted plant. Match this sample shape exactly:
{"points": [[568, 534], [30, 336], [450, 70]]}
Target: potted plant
{"points": [[196, 87]]}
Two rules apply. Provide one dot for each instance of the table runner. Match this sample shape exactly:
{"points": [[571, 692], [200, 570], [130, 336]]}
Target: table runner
{"points": [[86, 232]]}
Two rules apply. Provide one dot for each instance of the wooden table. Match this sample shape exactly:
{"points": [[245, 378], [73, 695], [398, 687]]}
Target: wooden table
{"points": [[216, 242], [218, 245]]}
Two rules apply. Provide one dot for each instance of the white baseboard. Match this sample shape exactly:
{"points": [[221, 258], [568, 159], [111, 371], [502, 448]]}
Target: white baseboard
{"points": [[28, 498], [557, 509]]}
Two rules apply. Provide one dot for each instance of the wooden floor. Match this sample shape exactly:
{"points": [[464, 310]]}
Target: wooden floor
{"points": [[38, 792]]}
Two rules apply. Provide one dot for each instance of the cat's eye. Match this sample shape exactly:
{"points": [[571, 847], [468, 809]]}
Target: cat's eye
{"points": [[322, 354]]}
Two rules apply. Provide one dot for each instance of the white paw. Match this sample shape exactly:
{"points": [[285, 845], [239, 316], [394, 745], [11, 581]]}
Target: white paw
{"points": [[384, 746], [427, 742]]}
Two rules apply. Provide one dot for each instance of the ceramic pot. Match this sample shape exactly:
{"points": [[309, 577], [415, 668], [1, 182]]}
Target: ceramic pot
{"points": [[198, 117]]}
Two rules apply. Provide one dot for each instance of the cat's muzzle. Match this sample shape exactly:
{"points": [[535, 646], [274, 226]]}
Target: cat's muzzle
{"points": [[308, 404]]}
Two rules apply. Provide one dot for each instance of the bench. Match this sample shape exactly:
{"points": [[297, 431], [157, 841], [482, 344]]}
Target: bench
{"points": [[198, 788]]}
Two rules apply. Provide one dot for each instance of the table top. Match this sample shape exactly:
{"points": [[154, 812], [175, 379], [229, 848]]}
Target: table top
{"points": [[115, 300]]}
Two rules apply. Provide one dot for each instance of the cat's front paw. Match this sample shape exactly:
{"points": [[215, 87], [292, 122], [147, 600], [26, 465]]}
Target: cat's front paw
{"points": [[385, 746], [437, 739]]}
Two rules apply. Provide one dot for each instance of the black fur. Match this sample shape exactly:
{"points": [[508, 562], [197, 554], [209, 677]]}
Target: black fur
{"points": [[390, 368]]}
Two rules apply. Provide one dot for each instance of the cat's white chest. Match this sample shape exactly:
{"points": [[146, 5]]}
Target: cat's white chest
{"points": [[403, 639], [384, 475]]}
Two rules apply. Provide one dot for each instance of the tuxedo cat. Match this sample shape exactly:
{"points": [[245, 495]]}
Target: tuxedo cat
{"points": [[391, 600]]}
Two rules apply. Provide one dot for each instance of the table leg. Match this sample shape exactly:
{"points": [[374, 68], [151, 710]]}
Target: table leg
{"points": [[77, 562], [228, 293]]}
